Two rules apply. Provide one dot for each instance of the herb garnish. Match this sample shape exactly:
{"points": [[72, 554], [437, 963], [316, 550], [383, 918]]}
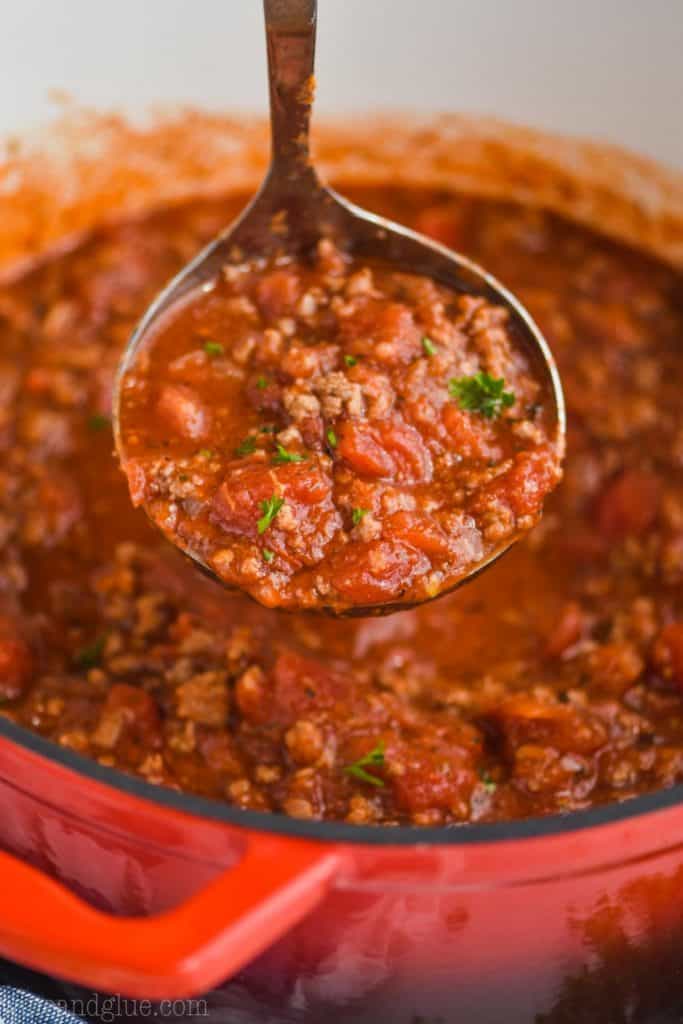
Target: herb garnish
{"points": [[373, 757], [261, 383], [350, 360], [205, 453], [429, 347], [283, 456], [267, 428], [487, 782], [98, 422], [246, 447], [332, 438], [358, 514], [90, 655], [481, 393], [270, 508], [268, 555], [213, 348]]}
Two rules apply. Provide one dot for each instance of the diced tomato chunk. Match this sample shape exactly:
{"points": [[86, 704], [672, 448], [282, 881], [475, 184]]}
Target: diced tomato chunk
{"points": [[629, 505], [524, 486], [278, 292], [360, 446], [237, 503], [474, 438], [385, 330], [390, 449], [377, 570], [419, 531], [567, 631], [184, 411], [302, 685]]}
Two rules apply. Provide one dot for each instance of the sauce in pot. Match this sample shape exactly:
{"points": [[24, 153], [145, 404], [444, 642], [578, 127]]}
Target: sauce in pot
{"points": [[550, 683]]}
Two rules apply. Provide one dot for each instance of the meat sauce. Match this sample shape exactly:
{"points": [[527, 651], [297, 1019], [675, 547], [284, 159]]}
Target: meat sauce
{"points": [[552, 682], [337, 435]]}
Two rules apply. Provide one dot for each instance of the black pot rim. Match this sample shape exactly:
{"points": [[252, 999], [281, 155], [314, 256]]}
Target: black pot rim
{"points": [[342, 832]]}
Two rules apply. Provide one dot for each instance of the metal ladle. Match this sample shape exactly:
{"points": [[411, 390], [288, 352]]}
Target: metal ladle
{"points": [[293, 211]]}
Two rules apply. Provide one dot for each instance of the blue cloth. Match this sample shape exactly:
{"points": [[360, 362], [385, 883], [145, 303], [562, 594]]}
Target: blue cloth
{"points": [[19, 1007]]}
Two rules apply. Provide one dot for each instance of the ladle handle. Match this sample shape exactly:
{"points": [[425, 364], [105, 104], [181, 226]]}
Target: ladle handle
{"points": [[290, 33]]}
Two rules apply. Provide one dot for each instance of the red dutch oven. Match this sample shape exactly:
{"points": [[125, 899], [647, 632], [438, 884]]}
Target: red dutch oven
{"points": [[125, 887]]}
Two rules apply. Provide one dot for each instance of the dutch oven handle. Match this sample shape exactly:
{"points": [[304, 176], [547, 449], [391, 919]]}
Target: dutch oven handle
{"points": [[181, 952]]}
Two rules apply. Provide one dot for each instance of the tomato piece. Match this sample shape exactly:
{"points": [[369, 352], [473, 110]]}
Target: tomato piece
{"points": [[390, 449], [567, 631], [278, 292], [419, 531], [184, 412], [474, 438], [629, 505], [378, 570], [237, 503]]}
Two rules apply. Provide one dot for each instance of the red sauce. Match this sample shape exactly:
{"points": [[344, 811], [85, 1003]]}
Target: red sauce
{"points": [[553, 681], [337, 435]]}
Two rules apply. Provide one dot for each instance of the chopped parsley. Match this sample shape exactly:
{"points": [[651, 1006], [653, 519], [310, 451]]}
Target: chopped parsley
{"points": [[247, 447], [205, 453], [332, 438], [481, 393], [213, 348], [358, 514], [267, 428], [98, 422], [350, 360], [429, 347], [487, 782], [90, 655], [270, 508], [268, 555], [373, 757], [283, 456], [261, 383]]}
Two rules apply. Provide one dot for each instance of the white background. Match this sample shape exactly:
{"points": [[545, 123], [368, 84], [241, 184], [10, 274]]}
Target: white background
{"points": [[606, 68]]}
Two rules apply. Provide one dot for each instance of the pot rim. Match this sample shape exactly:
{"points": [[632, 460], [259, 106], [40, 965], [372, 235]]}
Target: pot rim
{"points": [[336, 832]]}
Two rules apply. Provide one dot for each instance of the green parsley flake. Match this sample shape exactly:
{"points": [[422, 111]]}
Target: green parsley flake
{"points": [[332, 438], [213, 348], [270, 508], [90, 655], [358, 514], [481, 393], [283, 456], [268, 555], [261, 383], [373, 757], [205, 453], [247, 447], [487, 782], [267, 428], [429, 347], [350, 360], [97, 422]]}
